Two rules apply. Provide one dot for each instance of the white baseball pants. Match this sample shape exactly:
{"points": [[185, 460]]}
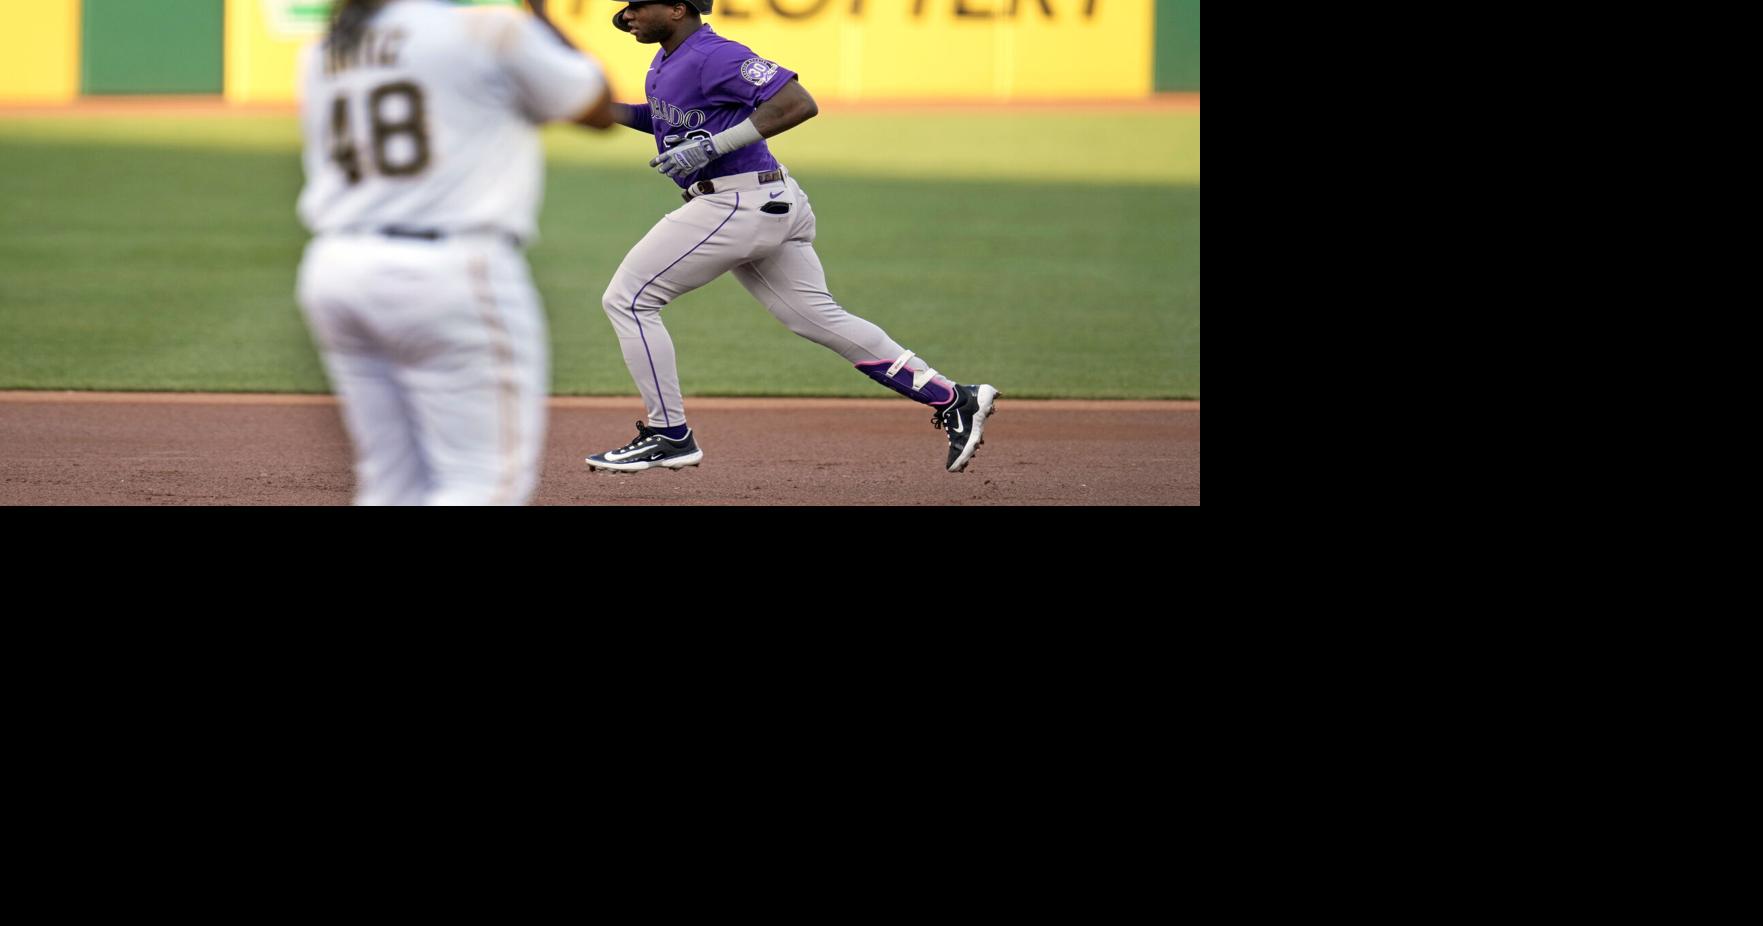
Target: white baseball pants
{"points": [[439, 355]]}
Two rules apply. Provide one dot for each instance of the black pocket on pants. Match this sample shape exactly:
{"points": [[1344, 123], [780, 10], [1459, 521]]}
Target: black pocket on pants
{"points": [[775, 208]]}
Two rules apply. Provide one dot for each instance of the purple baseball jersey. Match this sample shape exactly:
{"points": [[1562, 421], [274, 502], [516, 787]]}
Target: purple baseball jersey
{"points": [[710, 84]]}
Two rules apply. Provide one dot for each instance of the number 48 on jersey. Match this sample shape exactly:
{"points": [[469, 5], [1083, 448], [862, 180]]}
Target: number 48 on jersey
{"points": [[397, 137]]}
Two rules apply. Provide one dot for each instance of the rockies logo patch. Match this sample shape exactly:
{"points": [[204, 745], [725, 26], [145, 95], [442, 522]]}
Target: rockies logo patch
{"points": [[758, 71]]}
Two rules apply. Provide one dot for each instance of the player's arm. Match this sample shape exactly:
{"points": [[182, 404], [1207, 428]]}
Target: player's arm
{"points": [[789, 107], [632, 115], [604, 113], [599, 114], [554, 80], [543, 16]]}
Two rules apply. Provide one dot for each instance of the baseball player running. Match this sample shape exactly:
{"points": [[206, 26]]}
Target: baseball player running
{"points": [[423, 180], [712, 104]]}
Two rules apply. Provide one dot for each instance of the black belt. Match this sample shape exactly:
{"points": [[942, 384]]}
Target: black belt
{"points": [[707, 187], [436, 234]]}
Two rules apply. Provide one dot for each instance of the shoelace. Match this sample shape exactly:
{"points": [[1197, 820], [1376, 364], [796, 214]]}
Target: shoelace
{"points": [[643, 434], [937, 416]]}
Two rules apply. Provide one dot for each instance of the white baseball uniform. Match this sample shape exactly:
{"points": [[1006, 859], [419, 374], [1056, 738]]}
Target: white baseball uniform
{"points": [[424, 176]]}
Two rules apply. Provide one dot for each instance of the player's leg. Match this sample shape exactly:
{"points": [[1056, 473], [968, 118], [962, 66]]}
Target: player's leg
{"points": [[688, 248], [479, 384], [388, 463], [791, 282]]}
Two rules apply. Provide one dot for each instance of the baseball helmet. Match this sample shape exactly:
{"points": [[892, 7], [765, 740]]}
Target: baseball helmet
{"points": [[702, 6]]}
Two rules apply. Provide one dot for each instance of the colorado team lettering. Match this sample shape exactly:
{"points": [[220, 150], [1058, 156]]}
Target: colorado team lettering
{"points": [[663, 111]]}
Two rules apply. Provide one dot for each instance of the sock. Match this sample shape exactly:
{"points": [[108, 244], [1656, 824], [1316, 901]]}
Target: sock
{"points": [[677, 432], [936, 392]]}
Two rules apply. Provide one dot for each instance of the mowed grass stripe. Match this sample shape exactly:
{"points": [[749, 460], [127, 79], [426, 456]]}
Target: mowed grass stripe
{"points": [[1148, 147], [148, 267]]}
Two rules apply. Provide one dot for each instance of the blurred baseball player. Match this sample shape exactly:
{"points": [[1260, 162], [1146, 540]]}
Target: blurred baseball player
{"points": [[423, 181], [712, 103]]}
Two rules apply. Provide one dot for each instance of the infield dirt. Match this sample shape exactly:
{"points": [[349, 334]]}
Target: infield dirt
{"points": [[73, 448]]}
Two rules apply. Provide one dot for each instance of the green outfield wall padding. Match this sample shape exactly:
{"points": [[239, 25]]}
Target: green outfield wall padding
{"points": [[1178, 45], [151, 46]]}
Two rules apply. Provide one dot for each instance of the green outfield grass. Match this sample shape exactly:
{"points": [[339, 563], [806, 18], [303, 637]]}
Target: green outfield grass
{"points": [[1051, 254]]}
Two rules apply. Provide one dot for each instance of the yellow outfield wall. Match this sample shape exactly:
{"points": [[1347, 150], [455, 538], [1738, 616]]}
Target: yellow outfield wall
{"points": [[844, 49], [264, 39], [39, 51]]}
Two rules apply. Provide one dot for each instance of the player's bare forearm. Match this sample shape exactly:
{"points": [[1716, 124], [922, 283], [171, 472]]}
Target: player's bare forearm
{"points": [[789, 108], [599, 115]]}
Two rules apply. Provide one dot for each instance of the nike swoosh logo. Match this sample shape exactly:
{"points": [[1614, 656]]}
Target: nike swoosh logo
{"points": [[961, 422], [616, 457], [777, 194]]}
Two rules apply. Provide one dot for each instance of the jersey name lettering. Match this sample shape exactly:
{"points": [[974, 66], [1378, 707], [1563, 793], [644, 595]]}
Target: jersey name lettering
{"points": [[376, 49], [663, 111]]}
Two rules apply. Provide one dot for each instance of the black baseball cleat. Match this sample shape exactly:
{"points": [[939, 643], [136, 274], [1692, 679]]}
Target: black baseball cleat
{"points": [[651, 448], [965, 420]]}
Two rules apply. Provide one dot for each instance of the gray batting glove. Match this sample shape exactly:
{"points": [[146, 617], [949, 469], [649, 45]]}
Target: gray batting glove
{"points": [[687, 159]]}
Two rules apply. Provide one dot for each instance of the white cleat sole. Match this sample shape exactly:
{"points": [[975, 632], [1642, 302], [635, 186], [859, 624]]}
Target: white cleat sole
{"points": [[690, 459], [986, 396]]}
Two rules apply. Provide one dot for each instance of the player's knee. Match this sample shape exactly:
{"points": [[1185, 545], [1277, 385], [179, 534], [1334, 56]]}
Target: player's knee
{"points": [[616, 303], [621, 300]]}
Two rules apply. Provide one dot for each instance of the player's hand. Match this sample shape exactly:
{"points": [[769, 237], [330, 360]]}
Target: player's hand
{"points": [[686, 159]]}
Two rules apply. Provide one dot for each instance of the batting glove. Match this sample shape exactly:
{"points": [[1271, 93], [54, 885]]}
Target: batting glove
{"points": [[686, 159]]}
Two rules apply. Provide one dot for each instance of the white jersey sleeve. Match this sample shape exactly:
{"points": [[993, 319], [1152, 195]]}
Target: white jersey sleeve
{"points": [[553, 80]]}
